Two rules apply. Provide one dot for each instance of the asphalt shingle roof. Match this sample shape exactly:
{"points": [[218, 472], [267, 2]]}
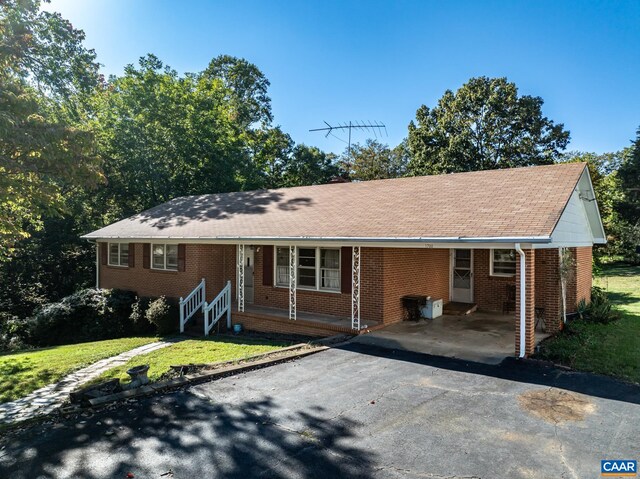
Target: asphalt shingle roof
{"points": [[518, 202]]}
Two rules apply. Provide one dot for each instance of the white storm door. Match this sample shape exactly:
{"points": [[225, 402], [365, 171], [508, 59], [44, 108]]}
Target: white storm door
{"points": [[462, 276], [248, 274]]}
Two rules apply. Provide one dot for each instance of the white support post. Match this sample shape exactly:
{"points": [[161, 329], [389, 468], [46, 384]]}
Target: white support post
{"points": [[355, 288], [229, 305], [241, 277], [293, 266]]}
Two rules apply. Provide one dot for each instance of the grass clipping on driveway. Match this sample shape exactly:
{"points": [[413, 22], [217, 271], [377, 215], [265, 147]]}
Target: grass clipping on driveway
{"points": [[612, 349], [24, 372], [193, 351]]}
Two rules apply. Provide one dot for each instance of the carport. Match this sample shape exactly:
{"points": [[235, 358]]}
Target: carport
{"points": [[481, 336]]}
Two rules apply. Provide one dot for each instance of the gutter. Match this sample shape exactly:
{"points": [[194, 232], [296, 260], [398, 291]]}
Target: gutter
{"points": [[359, 239], [523, 296]]}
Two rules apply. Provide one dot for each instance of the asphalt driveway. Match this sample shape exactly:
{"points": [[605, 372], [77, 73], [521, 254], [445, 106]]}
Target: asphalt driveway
{"points": [[358, 411]]}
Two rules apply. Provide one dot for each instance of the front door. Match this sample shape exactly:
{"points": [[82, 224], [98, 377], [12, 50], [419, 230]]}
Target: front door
{"points": [[462, 275], [248, 274]]}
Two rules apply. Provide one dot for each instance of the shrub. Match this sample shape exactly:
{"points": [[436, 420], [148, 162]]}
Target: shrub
{"points": [[14, 333], [599, 310], [160, 314], [138, 318], [86, 315]]}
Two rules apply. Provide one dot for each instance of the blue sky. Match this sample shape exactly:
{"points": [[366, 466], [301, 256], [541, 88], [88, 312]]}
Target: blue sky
{"points": [[369, 60]]}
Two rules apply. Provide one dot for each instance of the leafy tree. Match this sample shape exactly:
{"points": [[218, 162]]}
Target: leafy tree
{"points": [[164, 136], [246, 86], [629, 174], [484, 125], [271, 150], [307, 165], [375, 161], [45, 76]]}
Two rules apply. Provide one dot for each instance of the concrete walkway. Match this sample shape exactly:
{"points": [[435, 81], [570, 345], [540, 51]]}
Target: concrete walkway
{"points": [[45, 400]]}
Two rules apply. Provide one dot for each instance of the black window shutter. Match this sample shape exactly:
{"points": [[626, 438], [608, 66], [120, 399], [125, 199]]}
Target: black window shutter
{"points": [[132, 255], [182, 252], [345, 270], [146, 255], [267, 265]]}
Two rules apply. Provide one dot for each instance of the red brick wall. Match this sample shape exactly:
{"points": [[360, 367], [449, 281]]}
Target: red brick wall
{"points": [[215, 263], [333, 303], [548, 291], [272, 324], [386, 276], [584, 273], [413, 271], [489, 292], [579, 285]]}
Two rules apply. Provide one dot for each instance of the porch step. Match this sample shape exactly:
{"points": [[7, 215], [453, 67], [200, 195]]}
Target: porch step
{"points": [[455, 308]]}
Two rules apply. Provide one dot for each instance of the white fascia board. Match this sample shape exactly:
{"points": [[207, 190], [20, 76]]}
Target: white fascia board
{"points": [[435, 243]]}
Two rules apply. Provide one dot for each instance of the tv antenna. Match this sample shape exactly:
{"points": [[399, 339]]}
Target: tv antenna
{"points": [[375, 127]]}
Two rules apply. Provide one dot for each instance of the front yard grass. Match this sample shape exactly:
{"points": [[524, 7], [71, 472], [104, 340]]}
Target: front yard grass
{"points": [[193, 351], [23, 372], [612, 349]]}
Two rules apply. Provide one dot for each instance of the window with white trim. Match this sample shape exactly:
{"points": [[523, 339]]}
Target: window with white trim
{"points": [[118, 254], [282, 266], [330, 269], [307, 268], [503, 262], [317, 269], [164, 256]]}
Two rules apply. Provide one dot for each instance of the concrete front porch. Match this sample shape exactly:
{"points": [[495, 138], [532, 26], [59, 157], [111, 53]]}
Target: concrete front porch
{"points": [[482, 337]]}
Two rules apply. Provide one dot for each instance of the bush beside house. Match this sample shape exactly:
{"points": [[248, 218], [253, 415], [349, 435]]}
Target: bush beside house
{"points": [[89, 315]]}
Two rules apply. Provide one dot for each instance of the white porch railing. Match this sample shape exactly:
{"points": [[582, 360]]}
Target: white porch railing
{"points": [[191, 304], [220, 305]]}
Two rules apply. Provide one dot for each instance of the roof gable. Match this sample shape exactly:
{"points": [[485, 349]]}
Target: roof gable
{"points": [[580, 223]]}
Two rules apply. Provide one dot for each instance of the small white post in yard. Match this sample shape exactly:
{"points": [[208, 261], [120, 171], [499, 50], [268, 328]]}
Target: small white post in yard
{"points": [[293, 266], [181, 316], [355, 288]]}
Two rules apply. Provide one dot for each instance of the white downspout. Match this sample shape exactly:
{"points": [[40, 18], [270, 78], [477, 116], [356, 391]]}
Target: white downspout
{"points": [[523, 297]]}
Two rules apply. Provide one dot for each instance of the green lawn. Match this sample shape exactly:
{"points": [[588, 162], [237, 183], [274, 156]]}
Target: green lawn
{"points": [[24, 372], [612, 349], [194, 351]]}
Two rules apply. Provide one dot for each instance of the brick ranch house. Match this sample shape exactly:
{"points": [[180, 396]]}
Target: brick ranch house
{"points": [[314, 260]]}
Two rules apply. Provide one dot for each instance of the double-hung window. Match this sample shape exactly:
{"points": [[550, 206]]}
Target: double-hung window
{"points": [[316, 269], [164, 256], [119, 254], [330, 269], [503, 262], [282, 266]]}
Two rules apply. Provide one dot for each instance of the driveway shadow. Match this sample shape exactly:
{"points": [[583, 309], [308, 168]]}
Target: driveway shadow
{"points": [[513, 369], [194, 438]]}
